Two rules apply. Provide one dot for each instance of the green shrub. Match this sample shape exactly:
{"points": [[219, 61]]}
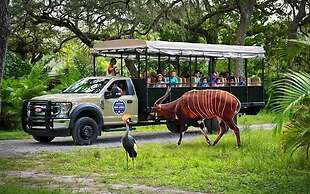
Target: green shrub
{"points": [[14, 91], [291, 99]]}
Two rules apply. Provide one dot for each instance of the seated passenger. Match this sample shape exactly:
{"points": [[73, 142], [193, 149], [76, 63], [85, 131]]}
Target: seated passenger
{"points": [[160, 83], [204, 82], [220, 81], [213, 79], [164, 74], [173, 79], [231, 81], [197, 76], [241, 81]]}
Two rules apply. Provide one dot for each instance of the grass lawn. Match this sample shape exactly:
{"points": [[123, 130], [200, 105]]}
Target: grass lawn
{"points": [[13, 134], [259, 166], [262, 117]]}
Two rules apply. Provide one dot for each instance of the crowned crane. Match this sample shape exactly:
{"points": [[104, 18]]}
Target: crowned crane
{"points": [[129, 143]]}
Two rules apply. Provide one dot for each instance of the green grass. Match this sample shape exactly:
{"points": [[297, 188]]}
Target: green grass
{"points": [[259, 166], [13, 134], [12, 189], [261, 118]]}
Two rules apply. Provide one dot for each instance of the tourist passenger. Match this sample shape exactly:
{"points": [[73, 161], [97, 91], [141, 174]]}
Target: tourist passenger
{"points": [[160, 81], [231, 81], [173, 79], [197, 76], [204, 82], [241, 81], [111, 69], [164, 74]]}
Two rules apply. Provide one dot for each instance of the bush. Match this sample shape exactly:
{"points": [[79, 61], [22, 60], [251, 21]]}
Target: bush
{"points": [[291, 98], [14, 91]]}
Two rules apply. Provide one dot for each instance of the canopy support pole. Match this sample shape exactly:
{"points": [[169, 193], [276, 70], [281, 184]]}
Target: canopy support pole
{"points": [[246, 79], [139, 65], [121, 63], [178, 64], [229, 73], [263, 78], [146, 77], [159, 66], [229, 67], [190, 71], [94, 65]]}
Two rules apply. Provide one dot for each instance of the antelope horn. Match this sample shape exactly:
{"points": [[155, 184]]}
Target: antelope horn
{"points": [[161, 99]]}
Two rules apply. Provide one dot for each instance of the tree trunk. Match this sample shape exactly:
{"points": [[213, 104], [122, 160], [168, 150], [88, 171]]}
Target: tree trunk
{"points": [[246, 8], [131, 68], [4, 33]]}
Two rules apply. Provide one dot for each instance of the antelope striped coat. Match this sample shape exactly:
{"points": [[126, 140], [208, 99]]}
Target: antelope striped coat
{"points": [[200, 104]]}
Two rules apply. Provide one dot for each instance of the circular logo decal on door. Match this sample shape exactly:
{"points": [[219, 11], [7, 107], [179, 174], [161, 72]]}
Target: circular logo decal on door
{"points": [[119, 107]]}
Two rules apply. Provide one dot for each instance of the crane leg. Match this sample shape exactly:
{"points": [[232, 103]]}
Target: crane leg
{"points": [[126, 160]]}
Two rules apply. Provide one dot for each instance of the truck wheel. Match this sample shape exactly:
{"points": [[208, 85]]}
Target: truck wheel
{"points": [[43, 139], [85, 131]]}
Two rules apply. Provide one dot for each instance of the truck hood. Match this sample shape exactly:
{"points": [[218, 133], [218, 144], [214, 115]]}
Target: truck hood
{"points": [[73, 98]]}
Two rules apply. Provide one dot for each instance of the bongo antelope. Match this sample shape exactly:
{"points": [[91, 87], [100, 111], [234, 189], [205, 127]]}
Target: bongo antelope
{"points": [[196, 105]]}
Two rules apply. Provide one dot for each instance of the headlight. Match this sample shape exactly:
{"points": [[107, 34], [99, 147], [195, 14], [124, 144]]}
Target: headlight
{"points": [[64, 109]]}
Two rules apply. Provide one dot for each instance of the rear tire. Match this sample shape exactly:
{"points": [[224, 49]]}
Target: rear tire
{"points": [[85, 131], [43, 139]]}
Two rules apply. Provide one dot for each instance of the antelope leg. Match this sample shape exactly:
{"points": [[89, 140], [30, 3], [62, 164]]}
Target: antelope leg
{"points": [[180, 139], [222, 131], [203, 130]]}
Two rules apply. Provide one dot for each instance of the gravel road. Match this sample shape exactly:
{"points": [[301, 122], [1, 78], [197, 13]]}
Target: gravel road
{"points": [[20, 147]]}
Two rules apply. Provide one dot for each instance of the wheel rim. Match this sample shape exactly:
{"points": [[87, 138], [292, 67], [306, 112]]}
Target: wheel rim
{"points": [[86, 132]]}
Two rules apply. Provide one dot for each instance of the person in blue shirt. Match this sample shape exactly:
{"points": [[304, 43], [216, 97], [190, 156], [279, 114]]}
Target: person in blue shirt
{"points": [[173, 79], [205, 82]]}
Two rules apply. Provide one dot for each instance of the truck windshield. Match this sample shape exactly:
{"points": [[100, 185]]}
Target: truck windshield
{"points": [[92, 85]]}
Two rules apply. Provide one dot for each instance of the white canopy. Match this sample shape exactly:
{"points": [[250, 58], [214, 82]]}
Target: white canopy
{"points": [[180, 48]]}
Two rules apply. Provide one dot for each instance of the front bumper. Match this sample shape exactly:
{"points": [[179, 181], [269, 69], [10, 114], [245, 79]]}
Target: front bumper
{"points": [[43, 123]]}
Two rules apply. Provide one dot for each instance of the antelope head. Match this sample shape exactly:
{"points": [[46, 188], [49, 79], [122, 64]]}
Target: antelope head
{"points": [[156, 109]]}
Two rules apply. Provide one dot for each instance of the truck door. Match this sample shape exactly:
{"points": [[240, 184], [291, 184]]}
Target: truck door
{"points": [[126, 103]]}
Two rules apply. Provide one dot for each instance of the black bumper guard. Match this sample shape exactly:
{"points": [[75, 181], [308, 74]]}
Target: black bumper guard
{"points": [[31, 119]]}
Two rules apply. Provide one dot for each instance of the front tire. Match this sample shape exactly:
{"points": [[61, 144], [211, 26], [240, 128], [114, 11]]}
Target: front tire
{"points": [[85, 131], [43, 139]]}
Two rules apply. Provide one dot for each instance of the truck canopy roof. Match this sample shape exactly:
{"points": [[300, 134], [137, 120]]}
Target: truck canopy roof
{"points": [[177, 48]]}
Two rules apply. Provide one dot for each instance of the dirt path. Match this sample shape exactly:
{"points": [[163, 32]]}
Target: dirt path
{"points": [[85, 184], [64, 144]]}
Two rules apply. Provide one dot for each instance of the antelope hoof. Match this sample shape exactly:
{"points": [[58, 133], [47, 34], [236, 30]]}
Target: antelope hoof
{"points": [[179, 143], [209, 143], [238, 146], [214, 144]]}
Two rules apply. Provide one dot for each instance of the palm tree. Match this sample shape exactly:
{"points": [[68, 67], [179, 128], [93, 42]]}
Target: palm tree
{"points": [[291, 99]]}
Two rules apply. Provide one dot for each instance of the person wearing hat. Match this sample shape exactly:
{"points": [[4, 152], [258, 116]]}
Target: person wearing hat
{"points": [[160, 81]]}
